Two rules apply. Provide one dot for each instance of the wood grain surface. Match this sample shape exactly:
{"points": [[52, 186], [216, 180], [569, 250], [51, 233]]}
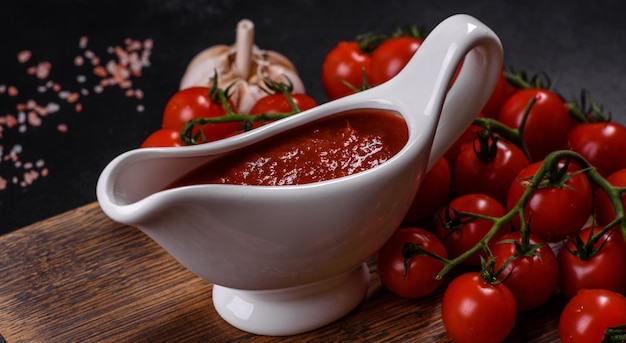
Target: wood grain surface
{"points": [[80, 277]]}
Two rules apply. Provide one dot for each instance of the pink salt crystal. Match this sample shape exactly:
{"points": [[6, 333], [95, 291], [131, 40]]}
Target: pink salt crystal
{"points": [[79, 61], [43, 70], [24, 55], [34, 119], [82, 42], [12, 91]]}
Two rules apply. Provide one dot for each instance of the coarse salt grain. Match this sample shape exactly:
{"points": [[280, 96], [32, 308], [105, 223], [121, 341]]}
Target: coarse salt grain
{"points": [[130, 61], [34, 119], [52, 107], [24, 55], [138, 94], [100, 71], [82, 42], [12, 91], [79, 61], [43, 70], [72, 97]]}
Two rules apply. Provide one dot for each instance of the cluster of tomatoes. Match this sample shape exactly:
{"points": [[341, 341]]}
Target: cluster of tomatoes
{"points": [[523, 203], [211, 116], [527, 205]]}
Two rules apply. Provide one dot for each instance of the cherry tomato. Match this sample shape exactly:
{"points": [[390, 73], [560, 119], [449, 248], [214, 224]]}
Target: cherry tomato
{"points": [[532, 275], [589, 313], [432, 194], [419, 280], [343, 68], [602, 207], [601, 144], [555, 212], [391, 56], [460, 234], [481, 167], [466, 137], [278, 103], [195, 102], [163, 138], [603, 269], [499, 95], [473, 310], [547, 123]]}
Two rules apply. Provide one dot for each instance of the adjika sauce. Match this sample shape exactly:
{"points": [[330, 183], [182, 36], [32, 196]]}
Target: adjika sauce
{"points": [[341, 145]]}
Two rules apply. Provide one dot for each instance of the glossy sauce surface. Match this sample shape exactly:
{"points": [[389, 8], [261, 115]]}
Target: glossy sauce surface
{"points": [[341, 145]]}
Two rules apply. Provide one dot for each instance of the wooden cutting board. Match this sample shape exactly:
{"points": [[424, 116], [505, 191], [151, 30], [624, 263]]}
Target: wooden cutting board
{"points": [[80, 277]]}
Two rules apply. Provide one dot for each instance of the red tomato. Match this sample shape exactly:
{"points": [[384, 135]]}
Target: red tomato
{"points": [[547, 122], [278, 103], [432, 194], [391, 56], [163, 138], [601, 144], [532, 275], [343, 68], [589, 313], [603, 269], [500, 93], [466, 137], [459, 235], [473, 310], [602, 207], [195, 102], [555, 212], [419, 280], [481, 167]]}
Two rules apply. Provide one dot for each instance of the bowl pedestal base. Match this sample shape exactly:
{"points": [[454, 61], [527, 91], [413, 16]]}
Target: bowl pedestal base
{"points": [[293, 310]]}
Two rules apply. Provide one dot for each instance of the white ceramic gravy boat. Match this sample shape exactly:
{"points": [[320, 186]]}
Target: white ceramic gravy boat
{"points": [[288, 259]]}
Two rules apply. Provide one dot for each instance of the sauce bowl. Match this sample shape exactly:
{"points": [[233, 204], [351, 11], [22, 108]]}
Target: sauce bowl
{"points": [[289, 259]]}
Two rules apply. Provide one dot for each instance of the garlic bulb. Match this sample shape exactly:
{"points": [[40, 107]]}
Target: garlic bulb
{"points": [[244, 65]]}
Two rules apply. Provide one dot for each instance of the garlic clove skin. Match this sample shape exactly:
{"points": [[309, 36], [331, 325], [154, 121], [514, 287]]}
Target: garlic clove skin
{"points": [[264, 64]]}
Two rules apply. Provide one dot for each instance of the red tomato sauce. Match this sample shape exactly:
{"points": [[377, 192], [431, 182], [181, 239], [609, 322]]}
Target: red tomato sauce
{"points": [[341, 145]]}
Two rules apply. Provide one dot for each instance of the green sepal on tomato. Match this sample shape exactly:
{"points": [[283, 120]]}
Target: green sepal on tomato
{"points": [[280, 103], [600, 265], [543, 118], [459, 233], [406, 265], [528, 268], [488, 165], [604, 211], [344, 70], [198, 102], [561, 204]]}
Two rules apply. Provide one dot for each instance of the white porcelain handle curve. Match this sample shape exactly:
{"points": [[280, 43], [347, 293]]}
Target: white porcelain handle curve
{"points": [[458, 39]]}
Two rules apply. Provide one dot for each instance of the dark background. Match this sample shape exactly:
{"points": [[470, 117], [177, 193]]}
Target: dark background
{"points": [[580, 44]]}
